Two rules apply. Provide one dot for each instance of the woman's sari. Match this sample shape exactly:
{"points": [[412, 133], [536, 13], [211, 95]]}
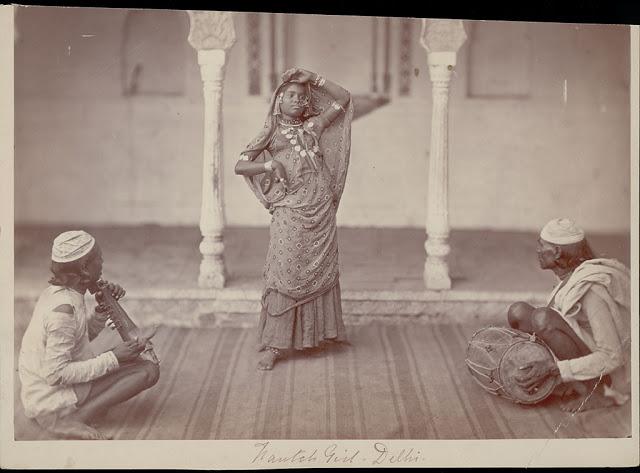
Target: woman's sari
{"points": [[301, 304]]}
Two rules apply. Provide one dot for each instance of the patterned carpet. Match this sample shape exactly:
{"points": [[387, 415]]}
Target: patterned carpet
{"points": [[393, 381]]}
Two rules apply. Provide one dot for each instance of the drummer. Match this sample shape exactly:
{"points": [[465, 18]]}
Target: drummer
{"points": [[586, 322]]}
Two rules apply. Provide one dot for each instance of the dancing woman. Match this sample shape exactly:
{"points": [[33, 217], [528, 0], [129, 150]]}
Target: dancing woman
{"points": [[297, 169]]}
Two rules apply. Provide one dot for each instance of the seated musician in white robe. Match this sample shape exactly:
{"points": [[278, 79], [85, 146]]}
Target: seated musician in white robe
{"points": [[586, 322], [64, 385]]}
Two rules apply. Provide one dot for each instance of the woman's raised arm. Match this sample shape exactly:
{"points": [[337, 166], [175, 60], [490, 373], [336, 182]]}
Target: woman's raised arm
{"points": [[341, 96]]}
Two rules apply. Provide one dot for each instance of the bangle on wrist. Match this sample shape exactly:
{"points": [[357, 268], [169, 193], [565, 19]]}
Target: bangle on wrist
{"points": [[319, 81]]}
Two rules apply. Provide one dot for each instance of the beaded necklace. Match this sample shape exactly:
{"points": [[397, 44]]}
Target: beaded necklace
{"points": [[300, 147], [293, 122]]}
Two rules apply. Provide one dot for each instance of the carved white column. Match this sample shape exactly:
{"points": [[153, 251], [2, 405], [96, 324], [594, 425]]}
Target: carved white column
{"points": [[441, 39], [212, 34]]}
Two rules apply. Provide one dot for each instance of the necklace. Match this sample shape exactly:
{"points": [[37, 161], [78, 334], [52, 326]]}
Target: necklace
{"points": [[294, 122]]}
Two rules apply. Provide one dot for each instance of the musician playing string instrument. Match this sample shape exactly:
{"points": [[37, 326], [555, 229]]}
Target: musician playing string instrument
{"points": [[64, 385], [586, 322]]}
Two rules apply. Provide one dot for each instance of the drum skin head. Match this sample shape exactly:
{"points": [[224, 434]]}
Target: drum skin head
{"points": [[517, 355], [494, 358]]}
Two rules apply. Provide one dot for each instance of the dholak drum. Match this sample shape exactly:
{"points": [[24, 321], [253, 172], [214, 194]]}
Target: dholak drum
{"points": [[494, 358]]}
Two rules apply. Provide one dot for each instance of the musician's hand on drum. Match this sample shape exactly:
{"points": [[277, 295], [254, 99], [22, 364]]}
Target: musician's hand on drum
{"points": [[128, 351], [535, 373]]}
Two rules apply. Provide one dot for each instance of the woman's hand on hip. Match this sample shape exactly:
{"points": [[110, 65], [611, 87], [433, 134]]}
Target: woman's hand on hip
{"points": [[280, 173]]}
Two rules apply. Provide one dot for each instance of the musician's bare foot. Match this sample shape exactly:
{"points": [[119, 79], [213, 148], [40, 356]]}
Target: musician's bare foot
{"points": [[586, 402], [98, 419], [72, 429], [267, 361], [567, 390]]}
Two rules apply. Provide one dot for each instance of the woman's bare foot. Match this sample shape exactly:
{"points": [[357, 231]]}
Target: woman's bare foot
{"points": [[268, 360], [72, 429]]}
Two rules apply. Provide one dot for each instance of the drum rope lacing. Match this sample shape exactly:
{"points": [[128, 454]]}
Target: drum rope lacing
{"points": [[476, 367], [487, 388], [472, 365]]}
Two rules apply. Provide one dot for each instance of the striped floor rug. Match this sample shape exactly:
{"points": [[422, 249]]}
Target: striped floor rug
{"points": [[402, 381]]}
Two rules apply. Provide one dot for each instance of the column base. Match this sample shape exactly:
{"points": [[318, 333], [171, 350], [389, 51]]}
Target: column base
{"points": [[436, 274], [211, 281], [212, 275]]}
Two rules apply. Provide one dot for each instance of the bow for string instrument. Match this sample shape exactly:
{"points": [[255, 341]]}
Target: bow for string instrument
{"points": [[126, 327]]}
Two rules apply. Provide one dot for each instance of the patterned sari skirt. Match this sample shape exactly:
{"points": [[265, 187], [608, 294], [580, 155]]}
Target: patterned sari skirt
{"points": [[301, 306], [307, 325]]}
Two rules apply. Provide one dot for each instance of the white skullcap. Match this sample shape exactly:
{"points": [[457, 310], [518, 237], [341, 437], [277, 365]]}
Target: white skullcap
{"points": [[562, 231], [72, 245]]}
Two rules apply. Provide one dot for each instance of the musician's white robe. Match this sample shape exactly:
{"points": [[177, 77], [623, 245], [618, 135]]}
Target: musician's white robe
{"points": [[595, 302], [56, 364]]}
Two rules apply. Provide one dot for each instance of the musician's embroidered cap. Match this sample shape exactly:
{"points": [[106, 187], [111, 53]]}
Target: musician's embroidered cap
{"points": [[562, 231], [72, 245]]}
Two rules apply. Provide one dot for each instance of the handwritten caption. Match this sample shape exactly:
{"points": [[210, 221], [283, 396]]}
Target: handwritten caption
{"points": [[379, 453]]}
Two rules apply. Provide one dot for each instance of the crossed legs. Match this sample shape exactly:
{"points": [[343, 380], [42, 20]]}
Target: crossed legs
{"points": [[107, 391], [550, 327], [553, 330]]}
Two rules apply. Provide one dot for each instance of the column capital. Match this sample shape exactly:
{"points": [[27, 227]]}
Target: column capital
{"points": [[440, 36], [211, 57], [211, 30], [212, 63]]}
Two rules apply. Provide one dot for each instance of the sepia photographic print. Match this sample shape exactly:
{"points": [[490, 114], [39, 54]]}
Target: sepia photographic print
{"points": [[285, 240]]}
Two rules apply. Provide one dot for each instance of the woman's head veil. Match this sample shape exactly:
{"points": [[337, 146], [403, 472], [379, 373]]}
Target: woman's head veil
{"points": [[335, 142]]}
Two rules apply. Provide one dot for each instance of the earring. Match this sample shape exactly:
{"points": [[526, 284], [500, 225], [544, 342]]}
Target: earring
{"points": [[276, 107]]}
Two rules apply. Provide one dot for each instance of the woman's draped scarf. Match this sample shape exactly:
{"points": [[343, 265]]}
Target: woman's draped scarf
{"points": [[335, 142]]}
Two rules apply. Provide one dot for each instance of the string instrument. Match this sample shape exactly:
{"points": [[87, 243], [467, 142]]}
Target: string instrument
{"points": [[127, 329]]}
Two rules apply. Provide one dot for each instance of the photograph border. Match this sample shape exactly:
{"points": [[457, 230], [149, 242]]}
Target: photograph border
{"points": [[237, 454]]}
